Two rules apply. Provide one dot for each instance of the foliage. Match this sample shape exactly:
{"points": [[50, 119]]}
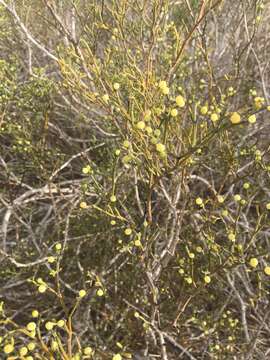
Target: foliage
{"points": [[134, 180]]}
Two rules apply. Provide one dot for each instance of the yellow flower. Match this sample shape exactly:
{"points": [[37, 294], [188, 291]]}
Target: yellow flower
{"points": [[31, 326], [246, 186], [82, 293], [267, 270], [199, 201], [60, 323], [140, 125], [174, 112], [204, 110], [268, 108], [235, 118], [86, 169], [258, 101], [165, 91], [253, 262], [116, 86], [231, 237], [100, 292], [237, 197], [180, 101], [23, 351], [113, 198], [214, 117], [88, 350], [207, 279], [162, 84], [113, 222], [268, 206], [51, 259], [189, 280], [31, 346], [49, 325], [83, 205], [58, 247], [220, 199], [8, 348], [252, 119], [35, 313], [160, 147], [126, 144], [137, 243], [117, 152], [128, 231], [105, 98]]}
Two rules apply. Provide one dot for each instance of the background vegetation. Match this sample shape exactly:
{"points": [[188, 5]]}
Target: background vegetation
{"points": [[134, 182]]}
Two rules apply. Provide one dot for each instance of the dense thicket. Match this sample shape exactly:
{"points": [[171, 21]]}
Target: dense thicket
{"points": [[134, 179]]}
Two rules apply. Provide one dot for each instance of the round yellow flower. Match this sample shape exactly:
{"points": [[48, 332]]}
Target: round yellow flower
{"points": [[8, 348], [246, 186], [29, 357], [220, 199], [237, 197], [51, 259], [207, 279], [116, 86], [252, 119], [35, 313], [267, 270], [174, 112], [180, 101], [31, 326], [49, 325], [61, 323], [231, 237], [126, 144], [83, 205], [189, 280], [160, 147], [204, 110], [137, 243], [82, 293], [31, 346], [162, 84], [199, 201], [214, 117], [117, 152], [105, 98], [113, 198], [235, 118], [253, 262], [113, 222], [165, 91], [140, 125], [58, 246], [100, 292], [23, 351], [128, 231], [88, 350], [267, 206]]}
